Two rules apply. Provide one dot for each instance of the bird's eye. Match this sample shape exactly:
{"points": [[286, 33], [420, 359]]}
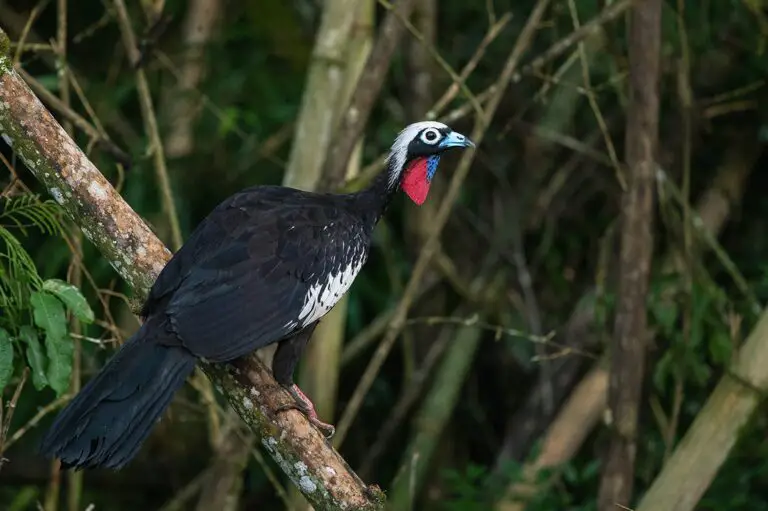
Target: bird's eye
{"points": [[430, 136]]}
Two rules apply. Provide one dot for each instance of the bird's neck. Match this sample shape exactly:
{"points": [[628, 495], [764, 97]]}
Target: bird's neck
{"points": [[374, 200]]}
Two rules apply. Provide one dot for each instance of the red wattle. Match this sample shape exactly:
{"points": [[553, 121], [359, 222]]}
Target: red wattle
{"points": [[415, 182]]}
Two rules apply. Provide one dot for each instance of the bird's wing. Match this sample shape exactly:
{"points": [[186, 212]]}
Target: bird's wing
{"points": [[249, 290], [227, 221]]}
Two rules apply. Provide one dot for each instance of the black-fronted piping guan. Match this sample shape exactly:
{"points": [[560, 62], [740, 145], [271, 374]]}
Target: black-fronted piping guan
{"points": [[263, 267]]}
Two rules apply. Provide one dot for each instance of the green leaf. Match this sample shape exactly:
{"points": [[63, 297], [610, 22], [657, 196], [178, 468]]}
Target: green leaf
{"points": [[49, 315], [72, 298], [60, 351], [6, 358], [35, 356]]}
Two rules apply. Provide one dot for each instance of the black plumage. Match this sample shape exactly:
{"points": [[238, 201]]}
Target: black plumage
{"points": [[263, 267]]}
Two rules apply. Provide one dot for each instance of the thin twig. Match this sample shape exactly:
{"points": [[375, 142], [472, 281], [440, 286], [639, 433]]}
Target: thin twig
{"points": [[361, 104], [188, 491], [593, 100], [608, 14], [430, 247], [499, 330], [374, 329], [150, 125], [685, 95], [7, 414], [458, 81], [511, 203], [493, 32], [74, 271], [700, 229], [26, 30], [408, 398], [41, 413], [32, 47]]}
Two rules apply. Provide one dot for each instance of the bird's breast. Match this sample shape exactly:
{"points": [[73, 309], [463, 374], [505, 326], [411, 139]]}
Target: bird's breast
{"points": [[328, 288]]}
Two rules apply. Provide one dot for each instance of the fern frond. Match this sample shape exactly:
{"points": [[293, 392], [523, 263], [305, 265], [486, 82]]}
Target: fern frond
{"points": [[19, 273], [28, 210]]}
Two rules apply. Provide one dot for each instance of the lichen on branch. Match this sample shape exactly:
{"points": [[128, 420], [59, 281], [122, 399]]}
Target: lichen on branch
{"points": [[76, 184]]}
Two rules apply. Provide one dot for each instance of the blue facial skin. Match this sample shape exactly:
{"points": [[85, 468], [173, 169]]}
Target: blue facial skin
{"points": [[432, 166], [453, 139]]}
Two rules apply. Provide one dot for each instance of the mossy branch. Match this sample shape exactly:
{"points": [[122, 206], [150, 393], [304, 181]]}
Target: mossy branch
{"points": [[134, 251]]}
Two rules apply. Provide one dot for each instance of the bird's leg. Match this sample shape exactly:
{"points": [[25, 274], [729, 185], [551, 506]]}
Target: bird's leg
{"points": [[283, 364], [305, 405]]}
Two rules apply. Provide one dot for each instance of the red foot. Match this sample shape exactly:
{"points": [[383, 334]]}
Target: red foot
{"points": [[305, 405]]}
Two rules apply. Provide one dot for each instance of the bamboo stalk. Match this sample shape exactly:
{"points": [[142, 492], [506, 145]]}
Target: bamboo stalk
{"points": [[707, 443], [440, 402], [705, 446], [319, 104], [433, 417], [183, 107]]}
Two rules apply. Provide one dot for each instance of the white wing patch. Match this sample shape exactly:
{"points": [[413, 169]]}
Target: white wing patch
{"points": [[324, 295]]}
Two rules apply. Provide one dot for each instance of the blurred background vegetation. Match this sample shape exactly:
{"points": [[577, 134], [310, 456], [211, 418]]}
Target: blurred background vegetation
{"points": [[498, 379]]}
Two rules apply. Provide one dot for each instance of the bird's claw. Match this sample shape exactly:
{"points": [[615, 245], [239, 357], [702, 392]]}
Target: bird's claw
{"points": [[305, 406]]}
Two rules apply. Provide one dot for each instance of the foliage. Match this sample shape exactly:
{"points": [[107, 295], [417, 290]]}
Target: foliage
{"points": [[33, 308]]}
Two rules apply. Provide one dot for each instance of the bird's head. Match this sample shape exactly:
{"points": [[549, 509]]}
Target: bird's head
{"points": [[416, 153]]}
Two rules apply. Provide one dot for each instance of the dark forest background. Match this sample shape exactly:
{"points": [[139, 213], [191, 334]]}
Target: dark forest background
{"points": [[495, 394]]}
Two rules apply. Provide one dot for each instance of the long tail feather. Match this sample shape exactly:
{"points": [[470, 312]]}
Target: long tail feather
{"points": [[109, 419]]}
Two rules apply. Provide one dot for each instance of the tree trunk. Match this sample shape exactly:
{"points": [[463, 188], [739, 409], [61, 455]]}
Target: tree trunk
{"points": [[627, 357]]}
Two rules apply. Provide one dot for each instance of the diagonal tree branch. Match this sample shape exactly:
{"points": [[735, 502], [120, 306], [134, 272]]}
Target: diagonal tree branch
{"points": [[319, 472]]}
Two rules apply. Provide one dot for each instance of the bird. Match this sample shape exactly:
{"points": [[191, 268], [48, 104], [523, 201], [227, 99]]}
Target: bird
{"points": [[263, 267]]}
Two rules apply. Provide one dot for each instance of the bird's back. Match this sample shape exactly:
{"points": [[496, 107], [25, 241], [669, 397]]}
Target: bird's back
{"points": [[265, 262]]}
